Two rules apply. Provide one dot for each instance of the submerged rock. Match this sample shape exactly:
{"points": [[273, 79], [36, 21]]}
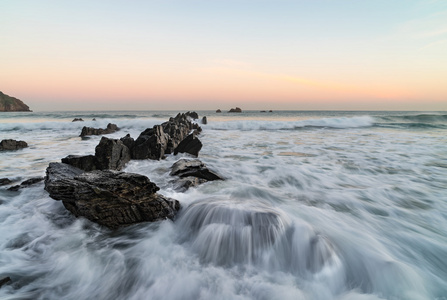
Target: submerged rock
{"points": [[192, 173], [26, 183], [107, 197], [5, 280], [111, 128], [12, 145], [5, 181]]}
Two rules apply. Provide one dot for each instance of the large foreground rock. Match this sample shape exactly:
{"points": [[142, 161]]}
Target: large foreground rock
{"points": [[12, 145], [109, 198], [111, 128]]}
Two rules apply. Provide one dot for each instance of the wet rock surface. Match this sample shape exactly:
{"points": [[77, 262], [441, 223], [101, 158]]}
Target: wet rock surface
{"points": [[111, 128], [10, 144], [5, 280], [107, 197], [5, 181], [191, 172], [26, 183]]}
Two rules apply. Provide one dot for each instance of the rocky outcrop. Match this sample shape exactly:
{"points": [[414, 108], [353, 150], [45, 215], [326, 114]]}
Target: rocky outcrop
{"points": [[8, 103], [78, 120], [218, 111], [111, 128], [204, 120], [235, 110], [191, 145], [12, 145], [108, 197], [191, 173], [109, 154], [154, 143], [26, 183]]}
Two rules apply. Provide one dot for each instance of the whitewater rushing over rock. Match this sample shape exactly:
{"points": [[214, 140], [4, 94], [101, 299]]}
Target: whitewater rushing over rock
{"points": [[312, 206], [228, 233]]}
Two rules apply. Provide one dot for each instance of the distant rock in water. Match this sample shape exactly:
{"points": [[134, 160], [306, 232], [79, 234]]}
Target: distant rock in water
{"points": [[109, 198], [8, 103], [218, 111], [204, 120], [235, 110], [78, 120], [12, 145], [111, 128], [192, 114]]}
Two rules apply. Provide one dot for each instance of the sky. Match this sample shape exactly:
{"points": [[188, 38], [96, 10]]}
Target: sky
{"points": [[255, 54]]}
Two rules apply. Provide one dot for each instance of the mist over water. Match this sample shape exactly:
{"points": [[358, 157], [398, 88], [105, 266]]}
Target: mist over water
{"points": [[315, 205]]}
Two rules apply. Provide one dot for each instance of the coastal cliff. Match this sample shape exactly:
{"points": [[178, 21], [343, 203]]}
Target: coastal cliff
{"points": [[8, 103]]}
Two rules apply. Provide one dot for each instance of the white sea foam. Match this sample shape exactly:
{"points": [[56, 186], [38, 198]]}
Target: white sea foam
{"points": [[343, 122], [358, 213]]}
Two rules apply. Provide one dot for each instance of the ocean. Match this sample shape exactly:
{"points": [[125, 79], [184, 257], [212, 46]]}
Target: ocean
{"points": [[315, 205]]}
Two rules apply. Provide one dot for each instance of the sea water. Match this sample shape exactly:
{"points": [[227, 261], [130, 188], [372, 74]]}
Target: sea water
{"points": [[314, 205]]}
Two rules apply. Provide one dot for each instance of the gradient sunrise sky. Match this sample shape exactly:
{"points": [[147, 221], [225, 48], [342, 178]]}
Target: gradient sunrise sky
{"points": [[150, 55]]}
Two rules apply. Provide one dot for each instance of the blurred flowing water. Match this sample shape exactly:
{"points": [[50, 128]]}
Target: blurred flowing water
{"points": [[315, 205]]}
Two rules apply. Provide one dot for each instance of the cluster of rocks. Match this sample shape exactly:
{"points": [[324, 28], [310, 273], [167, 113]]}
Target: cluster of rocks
{"points": [[111, 128], [93, 186], [78, 120], [232, 110], [12, 145]]}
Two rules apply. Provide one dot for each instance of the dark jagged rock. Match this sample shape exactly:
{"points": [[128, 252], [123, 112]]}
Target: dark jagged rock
{"points": [[218, 111], [191, 144], [192, 114], [86, 163], [154, 143], [195, 168], [78, 120], [109, 198], [235, 110], [5, 181], [111, 154], [263, 111], [111, 128], [5, 280], [204, 120], [128, 141], [12, 145], [8, 103], [26, 183], [270, 110], [151, 143]]}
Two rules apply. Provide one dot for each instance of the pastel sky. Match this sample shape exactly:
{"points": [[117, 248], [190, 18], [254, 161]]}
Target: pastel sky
{"points": [[256, 54]]}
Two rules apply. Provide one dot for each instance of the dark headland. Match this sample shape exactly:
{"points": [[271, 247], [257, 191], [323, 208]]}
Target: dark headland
{"points": [[8, 103]]}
